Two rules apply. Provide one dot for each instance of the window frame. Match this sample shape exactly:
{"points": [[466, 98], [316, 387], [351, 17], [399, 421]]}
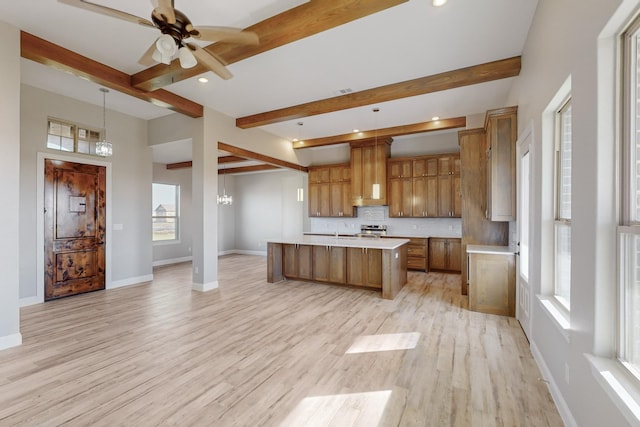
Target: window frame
{"points": [[176, 216], [76, 128], [558, 219], [628, 223]]}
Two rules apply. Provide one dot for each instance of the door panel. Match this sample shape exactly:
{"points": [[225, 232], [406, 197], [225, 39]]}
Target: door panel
{"points": [[523, 289], [74, 228]]}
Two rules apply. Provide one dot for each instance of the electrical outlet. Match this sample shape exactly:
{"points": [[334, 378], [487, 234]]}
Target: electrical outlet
{"points": [[195, 270]]}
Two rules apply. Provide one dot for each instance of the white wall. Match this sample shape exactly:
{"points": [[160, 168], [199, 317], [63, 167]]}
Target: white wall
{"points": [[266, 207], [9, 185], [182, 249], [562, 42], [131, 184], [227, 215]]}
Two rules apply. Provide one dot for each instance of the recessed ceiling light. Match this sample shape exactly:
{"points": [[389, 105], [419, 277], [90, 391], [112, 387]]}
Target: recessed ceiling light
{"points": [[438, 3], [295, 140], [356, 130], [203, 80], [435, 118]]}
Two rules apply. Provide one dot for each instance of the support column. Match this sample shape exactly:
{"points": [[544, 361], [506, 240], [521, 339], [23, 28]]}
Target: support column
{"points": [[10, 186], [205, 208]]}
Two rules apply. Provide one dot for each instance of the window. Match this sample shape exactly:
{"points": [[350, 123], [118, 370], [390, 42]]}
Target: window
{"points": [[562, 220], [629, 228], [166, 211], [72, 138]]}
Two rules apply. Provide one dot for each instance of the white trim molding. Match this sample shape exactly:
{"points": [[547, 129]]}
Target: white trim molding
{"points": [[561, 404], [162, 262], [130, 281], [9, 341], [27, 301], [205, 287]]}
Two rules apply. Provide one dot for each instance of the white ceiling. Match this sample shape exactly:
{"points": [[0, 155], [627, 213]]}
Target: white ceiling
{"points": [[404, 42]]}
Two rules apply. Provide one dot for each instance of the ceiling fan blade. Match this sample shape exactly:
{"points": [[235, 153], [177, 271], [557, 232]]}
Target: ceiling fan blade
{"points": [[147, 58], [224, 34], [210, 61], [165, 11], [104, 10]]}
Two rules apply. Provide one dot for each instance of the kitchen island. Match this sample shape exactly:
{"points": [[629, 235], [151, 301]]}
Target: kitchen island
{"points": [[344, 260]]}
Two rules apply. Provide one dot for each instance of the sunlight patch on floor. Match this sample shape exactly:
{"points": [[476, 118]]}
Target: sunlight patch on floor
{"points": [[354, 409], [384, 342]]}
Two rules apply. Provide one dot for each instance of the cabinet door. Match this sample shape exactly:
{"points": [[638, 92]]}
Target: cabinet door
{"points": [[355, 267], [374, 268], [492, 284], [321, 263], [437, 254], [419, 197], [314, 200], [337, 264], [347, 207], [444, 195], [305, 262], [454, 255], [336, 199], [340, 173], [319, 174], [400, 168], [419, 168], [395, 198], [431, 196], [290, 261], [445, 166], [456, 197], [356, 176]]}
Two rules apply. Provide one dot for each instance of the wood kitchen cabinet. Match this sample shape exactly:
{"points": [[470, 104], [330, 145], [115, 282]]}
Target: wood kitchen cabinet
{"points": [[369, 166], [425, 167], [400, 197], [364, 267], [501, 127], [417, 254], [330, 191], [445, 254], [330, 264], [449, 195], [425, 197], [492, 287], [400, 168], [297, 261]]}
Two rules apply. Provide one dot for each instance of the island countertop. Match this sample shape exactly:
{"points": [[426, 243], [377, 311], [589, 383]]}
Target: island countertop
{"points": [[343, 241]]}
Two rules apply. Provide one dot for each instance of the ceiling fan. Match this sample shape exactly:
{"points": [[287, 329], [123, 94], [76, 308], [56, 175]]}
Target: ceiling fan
{"points": [[176, 28]]}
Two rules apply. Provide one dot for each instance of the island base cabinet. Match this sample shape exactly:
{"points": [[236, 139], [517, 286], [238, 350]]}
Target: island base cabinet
{"points": [[364, 267], [297, 261], [445, 254], [492, 286], [330, 264]]}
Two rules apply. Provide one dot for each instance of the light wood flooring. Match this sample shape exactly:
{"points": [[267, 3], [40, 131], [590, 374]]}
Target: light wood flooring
{"points": [[260, 354]]}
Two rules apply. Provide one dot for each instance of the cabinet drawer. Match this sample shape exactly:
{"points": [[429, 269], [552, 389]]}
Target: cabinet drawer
{"points": [[416, 263], [416, 251]]}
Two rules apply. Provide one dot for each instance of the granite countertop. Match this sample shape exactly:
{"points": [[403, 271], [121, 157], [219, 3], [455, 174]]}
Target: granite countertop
{"points": [[491, 250], [343, 241]]}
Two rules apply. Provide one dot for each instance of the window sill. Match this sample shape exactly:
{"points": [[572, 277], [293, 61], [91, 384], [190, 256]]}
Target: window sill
{"points": [[165, 242], [619, 385], [557, 314]]}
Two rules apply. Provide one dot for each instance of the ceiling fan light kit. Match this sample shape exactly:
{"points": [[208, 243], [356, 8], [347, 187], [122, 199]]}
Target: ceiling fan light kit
{"points": [[176, 29]]}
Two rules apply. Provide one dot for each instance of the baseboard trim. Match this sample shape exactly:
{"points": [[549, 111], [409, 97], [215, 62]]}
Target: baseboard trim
{"points": [[204, 287], [27, 301], [171, 261], [9, 341], [556, 394], [130, 281], [243, 252]]}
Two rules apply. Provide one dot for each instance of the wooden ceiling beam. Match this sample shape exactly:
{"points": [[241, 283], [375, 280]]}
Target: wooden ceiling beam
{"points": [[181, 165], [244, 169], [241, 152], [430, 126], [294, 24], [230, 159], [475, 74], [52, 55]]}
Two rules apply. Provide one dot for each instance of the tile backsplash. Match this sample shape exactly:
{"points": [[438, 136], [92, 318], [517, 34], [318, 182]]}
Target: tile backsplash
{"points": [[413, 227]]}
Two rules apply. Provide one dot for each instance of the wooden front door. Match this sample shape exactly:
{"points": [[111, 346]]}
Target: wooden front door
{"points": [[74, 228]]}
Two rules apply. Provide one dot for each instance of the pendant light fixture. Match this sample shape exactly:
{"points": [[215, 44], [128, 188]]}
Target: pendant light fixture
{"points": [[375, 191], [103, 147], [225, 199]]}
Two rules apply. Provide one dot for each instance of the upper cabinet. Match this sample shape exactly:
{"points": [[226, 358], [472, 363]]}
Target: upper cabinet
{"points": [[501, 128], [368, 167], [330, 191]]}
